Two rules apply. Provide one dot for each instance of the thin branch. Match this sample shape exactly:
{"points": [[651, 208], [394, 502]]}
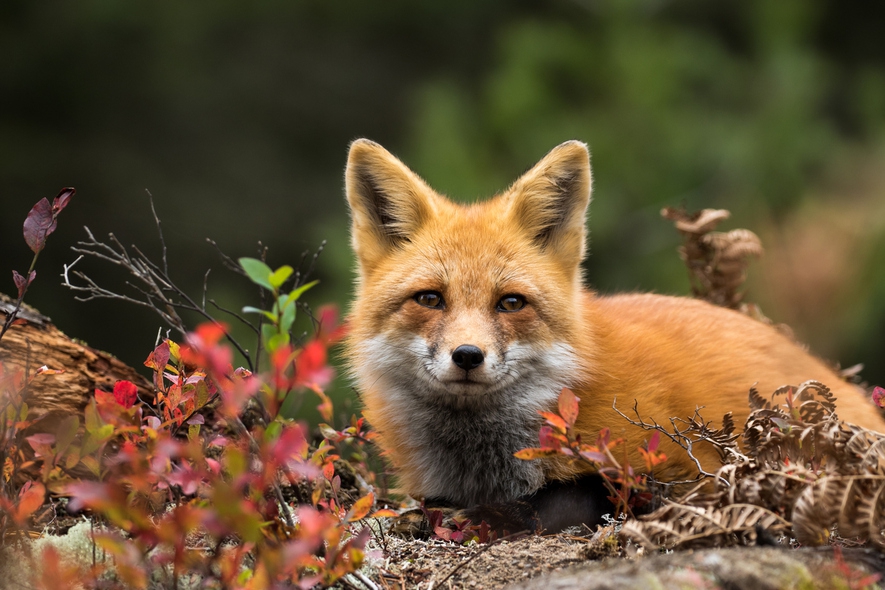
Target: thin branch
{"points": [[159, 230], [244, 321], [680, 437], [158, 290], [226, 260]]}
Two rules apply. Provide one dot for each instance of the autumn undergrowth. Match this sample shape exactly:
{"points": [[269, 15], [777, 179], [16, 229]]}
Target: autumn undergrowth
{"points": [[204, 479]]}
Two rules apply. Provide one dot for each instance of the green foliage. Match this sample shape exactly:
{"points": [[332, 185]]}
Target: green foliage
{"points": [[281, 316]]}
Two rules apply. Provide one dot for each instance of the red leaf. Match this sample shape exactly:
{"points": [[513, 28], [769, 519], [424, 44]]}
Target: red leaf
{"points": [[594, 456], [42, 219], [90, 494], [550, 439], [159, 358], [443, 533], [21, 283], [568, 406], [653, 442], [32, 497], [311, 367], [125, 393], [64, 197], [603, 438], [290, 446], [39, 223], [330, 331], [879, 397], [41, 442]]}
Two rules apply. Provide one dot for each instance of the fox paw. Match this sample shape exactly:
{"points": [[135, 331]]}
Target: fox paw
{"points": [[420, 523], [502, 519]]}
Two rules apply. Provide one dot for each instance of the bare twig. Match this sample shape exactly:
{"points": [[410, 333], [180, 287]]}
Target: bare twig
{"points": [[695, 431], [158, 291], [159, 230]]}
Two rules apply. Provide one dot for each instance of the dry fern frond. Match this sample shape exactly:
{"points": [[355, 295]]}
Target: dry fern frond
{"points": [[800, 467], [717, 261], [677, 526]]}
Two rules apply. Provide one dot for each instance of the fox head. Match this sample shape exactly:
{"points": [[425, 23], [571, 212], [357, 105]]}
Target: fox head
{"points": [[459, 304]]}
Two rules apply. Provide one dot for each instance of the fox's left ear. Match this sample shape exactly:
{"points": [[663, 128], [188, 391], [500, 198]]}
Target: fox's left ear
{"points": [[550, 201]]}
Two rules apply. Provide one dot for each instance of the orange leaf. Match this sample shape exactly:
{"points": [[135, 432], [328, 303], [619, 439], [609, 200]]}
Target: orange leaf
{"points": [[528, 454], [361, 507], [384, 513], [568, 406], [555, 420], [31, 499]]}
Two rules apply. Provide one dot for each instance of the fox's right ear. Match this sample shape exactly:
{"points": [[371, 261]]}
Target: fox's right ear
{"points": [[388, 202]]}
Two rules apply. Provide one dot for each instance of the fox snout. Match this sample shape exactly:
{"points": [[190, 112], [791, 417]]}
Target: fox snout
{"points": [[467, 357]]}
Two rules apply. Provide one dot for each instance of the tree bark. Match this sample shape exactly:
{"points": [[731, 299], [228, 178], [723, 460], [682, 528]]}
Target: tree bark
{"points": [[34, 342]]}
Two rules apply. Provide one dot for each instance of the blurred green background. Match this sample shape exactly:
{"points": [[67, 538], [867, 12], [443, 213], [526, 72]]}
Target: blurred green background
{"points": [[237, 116]]}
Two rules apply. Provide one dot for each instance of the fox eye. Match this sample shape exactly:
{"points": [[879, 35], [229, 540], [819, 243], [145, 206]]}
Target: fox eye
{"points": [[511, 303], [431, 299]]}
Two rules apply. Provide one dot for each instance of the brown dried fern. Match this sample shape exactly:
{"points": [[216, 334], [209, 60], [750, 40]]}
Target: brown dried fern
{"points": [[717, 261], [801, 469]]}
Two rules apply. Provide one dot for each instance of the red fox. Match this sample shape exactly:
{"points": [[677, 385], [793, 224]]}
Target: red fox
{"points": [[469, 319]]}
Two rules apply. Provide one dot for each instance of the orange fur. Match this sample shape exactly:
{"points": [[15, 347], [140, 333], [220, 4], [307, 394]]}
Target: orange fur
{"points": [[669, 354]]}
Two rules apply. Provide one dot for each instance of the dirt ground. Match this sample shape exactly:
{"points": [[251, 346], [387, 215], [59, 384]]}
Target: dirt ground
{"points": [[574, 562], [435, 564]]}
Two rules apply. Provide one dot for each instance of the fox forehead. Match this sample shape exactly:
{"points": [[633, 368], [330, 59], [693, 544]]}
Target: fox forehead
{"points": [[465, 254]]}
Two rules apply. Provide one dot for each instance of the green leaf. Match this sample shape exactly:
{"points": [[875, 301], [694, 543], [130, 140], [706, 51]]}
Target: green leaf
{"points": [[234, 461], [67, 431], [23, 414], [267, 332], [193, 432], [93, 422], [201, 394], [267, 314], [276, 341], [91, 463], [294, 295], [280, 276], [96, 439], [287, 318], [258, 272], [273, 431], [73, 458]]}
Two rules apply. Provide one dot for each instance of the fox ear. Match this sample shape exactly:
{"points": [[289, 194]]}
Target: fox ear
{"points": [[550, 201], [388, 202]]}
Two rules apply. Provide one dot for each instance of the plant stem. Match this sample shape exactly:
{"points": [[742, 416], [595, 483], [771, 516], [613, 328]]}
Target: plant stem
{"points": [[11, 316]]}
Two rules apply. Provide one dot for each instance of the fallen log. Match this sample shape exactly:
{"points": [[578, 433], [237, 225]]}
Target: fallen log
{"points": [[33, 342]]}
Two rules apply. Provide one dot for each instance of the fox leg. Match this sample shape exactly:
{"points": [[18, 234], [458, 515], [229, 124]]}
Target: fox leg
{"points": [[556, 506]]}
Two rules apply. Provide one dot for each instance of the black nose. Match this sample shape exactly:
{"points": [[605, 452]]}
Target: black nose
{"points": [[467, 357]]}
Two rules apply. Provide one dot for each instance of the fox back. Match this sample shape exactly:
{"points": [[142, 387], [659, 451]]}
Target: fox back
{"points": [[469, 319]]}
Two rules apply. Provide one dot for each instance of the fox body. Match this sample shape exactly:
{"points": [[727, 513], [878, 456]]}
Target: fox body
{"points": [[469, 319]]}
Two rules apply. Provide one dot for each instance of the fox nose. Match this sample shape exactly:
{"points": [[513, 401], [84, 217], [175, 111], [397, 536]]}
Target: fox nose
{"points": [[467, 357]]}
